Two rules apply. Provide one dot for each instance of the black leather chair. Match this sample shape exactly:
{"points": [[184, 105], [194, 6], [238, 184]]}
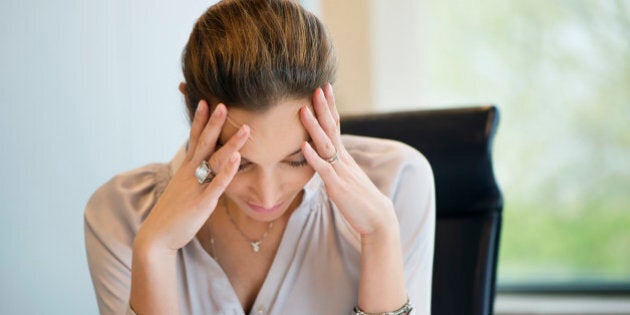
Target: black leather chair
{"points": [[458, 144]]}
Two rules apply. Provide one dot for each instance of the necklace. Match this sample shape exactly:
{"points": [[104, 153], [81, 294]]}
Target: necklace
{"points": [[254, 243]]}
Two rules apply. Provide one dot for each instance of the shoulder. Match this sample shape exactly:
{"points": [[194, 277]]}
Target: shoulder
{"points": [[404, 175], [121, 204], [388, 162]]}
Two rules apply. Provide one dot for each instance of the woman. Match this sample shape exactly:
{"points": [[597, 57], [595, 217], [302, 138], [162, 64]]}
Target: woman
{"points": [[267, 209]]}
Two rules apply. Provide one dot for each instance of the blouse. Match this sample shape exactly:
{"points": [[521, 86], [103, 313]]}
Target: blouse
{"points": [[316, 267]]}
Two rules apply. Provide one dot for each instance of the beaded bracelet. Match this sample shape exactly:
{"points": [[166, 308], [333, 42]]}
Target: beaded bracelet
{"points": [[405, 309]]}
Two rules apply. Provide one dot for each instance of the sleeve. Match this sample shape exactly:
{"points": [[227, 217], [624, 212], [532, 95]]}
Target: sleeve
{"points": [[112, 217], [406, 177], [414, 200]]}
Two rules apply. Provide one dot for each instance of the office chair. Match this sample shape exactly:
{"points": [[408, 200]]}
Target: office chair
{"points": [[458, 144]]}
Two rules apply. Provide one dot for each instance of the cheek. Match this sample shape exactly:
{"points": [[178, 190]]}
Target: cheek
{"points": [[237, 186], [302, 176]]}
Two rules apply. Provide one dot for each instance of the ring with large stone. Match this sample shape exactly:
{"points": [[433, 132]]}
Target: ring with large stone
{"points": [[204, 173], [333, 159]]}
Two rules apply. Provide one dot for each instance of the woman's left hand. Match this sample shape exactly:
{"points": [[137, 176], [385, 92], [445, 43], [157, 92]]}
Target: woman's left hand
{"points": [[366, 209]]}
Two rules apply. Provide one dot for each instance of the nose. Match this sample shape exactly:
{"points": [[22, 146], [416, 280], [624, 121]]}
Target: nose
{"points": [[267, 189]]}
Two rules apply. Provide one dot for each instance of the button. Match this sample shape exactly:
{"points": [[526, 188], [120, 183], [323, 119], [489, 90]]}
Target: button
{"points": [[260, 310]]}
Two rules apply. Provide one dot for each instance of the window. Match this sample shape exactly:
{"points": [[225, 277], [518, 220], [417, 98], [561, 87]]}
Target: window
{"points": [[560, 73]]}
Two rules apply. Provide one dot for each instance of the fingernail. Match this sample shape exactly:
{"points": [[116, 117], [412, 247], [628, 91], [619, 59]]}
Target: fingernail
{"points": [[198, 107], [218, 112], [242, 130], [321, 92], [234, 157]]}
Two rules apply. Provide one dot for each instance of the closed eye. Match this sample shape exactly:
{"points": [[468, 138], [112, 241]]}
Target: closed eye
{"points": [[299, 163], [243, 166]]}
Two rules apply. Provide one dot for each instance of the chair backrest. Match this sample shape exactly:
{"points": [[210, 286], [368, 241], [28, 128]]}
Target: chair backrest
{"points": [[458, 144]]}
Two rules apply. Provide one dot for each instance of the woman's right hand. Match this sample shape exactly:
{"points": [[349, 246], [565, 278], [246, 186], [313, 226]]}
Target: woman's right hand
{"points": [[185, 205]]}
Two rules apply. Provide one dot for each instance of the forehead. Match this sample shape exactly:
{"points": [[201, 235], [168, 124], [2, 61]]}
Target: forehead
{"points": [[275, 133]]}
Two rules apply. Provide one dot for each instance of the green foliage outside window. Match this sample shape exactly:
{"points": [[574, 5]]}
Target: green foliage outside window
{"points": [[560, 73]]}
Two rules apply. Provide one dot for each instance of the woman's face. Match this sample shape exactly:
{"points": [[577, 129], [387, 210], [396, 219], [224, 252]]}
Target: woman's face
{"points": [[273, 171]]}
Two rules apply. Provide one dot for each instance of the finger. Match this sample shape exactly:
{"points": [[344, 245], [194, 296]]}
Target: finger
{"points": [[325, 117], [330, 99], [199, 120], [323, 168], [223, 178], [219, 159], [323, 144], [210, 134]]}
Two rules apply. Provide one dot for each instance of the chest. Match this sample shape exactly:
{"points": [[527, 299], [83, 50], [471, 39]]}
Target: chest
{"points": [[309, 265], [245, 268], [246, 275]]}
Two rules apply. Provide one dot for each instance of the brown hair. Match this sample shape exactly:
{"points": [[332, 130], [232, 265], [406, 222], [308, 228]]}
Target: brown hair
{"points": [[253, 53]]}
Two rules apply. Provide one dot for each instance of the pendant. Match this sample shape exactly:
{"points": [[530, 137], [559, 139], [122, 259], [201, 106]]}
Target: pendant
{"points": [[255, 246]]}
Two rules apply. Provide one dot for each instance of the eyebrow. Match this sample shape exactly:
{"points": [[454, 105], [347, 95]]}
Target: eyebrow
{"points": [[295, 152], [290, 154]]}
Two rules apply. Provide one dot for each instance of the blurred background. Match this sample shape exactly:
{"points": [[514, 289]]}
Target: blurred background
{"points": [[89, 89], [560, 73]]}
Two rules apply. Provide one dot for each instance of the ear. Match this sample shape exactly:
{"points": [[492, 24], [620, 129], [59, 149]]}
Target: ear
{"points": [[182, 88]]}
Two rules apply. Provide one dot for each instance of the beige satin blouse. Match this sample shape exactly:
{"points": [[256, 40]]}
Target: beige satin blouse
{"points": [[316, 268]]}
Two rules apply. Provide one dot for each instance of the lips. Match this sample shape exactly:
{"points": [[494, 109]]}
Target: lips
{"points": [[260, 209]]}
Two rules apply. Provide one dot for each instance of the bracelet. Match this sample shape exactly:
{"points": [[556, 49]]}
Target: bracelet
{"points": [[405, 309]]}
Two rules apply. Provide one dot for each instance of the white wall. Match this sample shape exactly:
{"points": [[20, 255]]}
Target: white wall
{"points": [[397, 63], [87, 89]]}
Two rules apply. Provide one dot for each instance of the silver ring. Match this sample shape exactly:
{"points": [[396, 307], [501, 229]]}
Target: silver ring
{"points": [[204, 173], [333, 159]]}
